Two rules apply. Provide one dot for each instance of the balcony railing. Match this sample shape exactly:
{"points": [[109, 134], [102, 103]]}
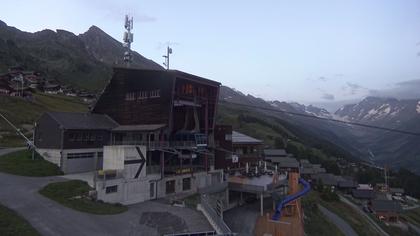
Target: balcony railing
{"points": [[162, 144]]}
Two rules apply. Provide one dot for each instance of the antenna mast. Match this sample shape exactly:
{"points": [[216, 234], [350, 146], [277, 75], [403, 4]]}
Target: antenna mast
{"points": [[128, 39], [168, 52]]}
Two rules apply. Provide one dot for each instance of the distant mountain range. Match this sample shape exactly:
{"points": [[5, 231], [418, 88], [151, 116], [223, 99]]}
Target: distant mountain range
{"points": [[371, 145], [86, 61], [387, 148]]}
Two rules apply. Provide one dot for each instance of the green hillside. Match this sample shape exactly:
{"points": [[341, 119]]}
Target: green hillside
{"points": [[23, 113]]}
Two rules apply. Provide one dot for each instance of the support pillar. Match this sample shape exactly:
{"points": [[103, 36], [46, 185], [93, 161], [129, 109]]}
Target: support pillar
{"points": [[262, 204]]}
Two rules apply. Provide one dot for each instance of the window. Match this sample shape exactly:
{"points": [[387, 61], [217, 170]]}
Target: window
{"points": [[99, 138], [186, 184], [152, 190], [228, 137], [72, 137], [130, 96], [155, 93], [111, 189], [80, 155], [142, 95], [170, 186]]}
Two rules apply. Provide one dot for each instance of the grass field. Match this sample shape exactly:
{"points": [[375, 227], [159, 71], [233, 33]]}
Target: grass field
{"points": [[23, 113], [11, 224], [351, 216], [315, 222], [413, 216], [73, 194], [21, 163]]}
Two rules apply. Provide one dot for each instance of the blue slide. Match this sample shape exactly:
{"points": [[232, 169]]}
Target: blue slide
{"points": [[289, 198]]}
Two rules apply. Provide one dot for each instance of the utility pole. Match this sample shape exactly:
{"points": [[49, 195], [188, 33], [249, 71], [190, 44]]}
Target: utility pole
{"points": [[33, 140], [168, 52]]}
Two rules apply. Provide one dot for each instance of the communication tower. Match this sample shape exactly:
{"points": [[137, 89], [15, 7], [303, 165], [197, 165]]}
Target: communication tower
{"points": [[128, 39]]}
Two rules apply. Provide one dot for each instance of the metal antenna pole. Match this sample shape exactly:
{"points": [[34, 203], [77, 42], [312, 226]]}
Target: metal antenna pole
{"points": [[168, 52]]}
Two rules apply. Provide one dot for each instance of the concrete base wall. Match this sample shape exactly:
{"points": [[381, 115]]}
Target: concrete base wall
{"points": [[135, 191], [68, 166], [51, 155]]}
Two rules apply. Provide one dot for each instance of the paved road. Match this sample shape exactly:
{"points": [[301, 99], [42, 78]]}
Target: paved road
{"points": [[50, 218], [361, 212], [4, 151], [414, 227], [338, 221]]}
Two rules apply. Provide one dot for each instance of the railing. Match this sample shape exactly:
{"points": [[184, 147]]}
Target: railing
{"points": [[213, 217], [160, 144]]}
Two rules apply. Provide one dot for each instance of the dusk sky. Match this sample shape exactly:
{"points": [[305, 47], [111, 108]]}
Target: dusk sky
{"points": [[305, 51]]}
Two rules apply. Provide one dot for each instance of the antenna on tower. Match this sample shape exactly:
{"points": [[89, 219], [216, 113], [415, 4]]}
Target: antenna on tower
{"points": [[128, 39], [168, 52]]}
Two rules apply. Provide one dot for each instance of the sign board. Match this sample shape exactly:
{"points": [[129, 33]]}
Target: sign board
{"points": [[235, 159]]}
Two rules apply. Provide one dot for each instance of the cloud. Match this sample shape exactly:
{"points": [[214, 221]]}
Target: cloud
{"points": [[409, 89], [328, 96], [352, 88], [322, 78]]}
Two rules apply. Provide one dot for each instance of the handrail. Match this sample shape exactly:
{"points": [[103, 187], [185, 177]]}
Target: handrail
{"points": [[213, 215]]}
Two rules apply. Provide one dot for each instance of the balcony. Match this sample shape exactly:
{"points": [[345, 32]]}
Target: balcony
{"points": [[159, 145]]}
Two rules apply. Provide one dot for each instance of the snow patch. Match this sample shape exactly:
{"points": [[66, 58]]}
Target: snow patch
{"points": [[418, 107]]}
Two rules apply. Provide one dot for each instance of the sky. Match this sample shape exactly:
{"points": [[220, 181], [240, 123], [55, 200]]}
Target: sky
{"points": [[306, 51]]}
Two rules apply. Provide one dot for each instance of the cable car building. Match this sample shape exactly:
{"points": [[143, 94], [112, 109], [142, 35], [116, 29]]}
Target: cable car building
{"points": [[172, 115]]}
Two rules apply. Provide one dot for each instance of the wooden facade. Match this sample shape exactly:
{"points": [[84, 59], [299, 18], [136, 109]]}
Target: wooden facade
{"points": [[181, 101], [181, 105]]}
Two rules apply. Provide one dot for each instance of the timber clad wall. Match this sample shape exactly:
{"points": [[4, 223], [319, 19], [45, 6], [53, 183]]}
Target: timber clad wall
{"points": [[137, 97], [47, 133]]}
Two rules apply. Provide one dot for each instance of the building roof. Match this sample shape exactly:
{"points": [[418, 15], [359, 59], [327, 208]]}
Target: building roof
{"points": [[184, 75], [283, 162], [139, 127], [90, 121], [346, 183], [275, 152], [386, 205], [396, 190], [363, 193], [239, 138], [326, 178]]}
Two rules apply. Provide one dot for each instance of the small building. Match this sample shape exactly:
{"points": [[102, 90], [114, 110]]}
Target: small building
{"points": [[386, 210], [73, 141], [246, 148], [396, 191], [326, 179], [363, 194], [272, 154], [347, 184]]}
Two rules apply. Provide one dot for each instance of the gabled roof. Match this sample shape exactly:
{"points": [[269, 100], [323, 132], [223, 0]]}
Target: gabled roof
{"points": [[386, 205], [87, 121], [184, 75], [151, 127], [326, 178], [284, 162], [275, 152], [396, 190], [363, 193], [239, 138]]}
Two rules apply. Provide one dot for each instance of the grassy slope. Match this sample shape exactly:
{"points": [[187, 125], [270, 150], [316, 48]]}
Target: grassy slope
{"points": [[73, 194], [21, 112], [12, 224], [21, 163], [315, 222]]}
